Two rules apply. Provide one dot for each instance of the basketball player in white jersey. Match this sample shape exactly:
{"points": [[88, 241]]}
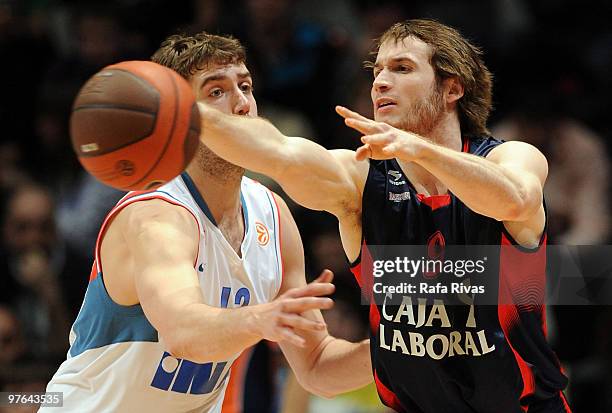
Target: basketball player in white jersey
{"points": [[187, 276]]}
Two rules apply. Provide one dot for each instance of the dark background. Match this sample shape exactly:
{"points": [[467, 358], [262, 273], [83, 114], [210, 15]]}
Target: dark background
{"points": [[551, 61]]}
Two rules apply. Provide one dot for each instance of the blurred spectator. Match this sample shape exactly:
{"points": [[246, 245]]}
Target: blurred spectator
{"points": [[81, 210], [13, 346], [577, 187], [11, 172], [29, 376], [42, 279], [293, 61]]}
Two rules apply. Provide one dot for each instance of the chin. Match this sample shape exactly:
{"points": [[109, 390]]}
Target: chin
{"points": [[389, 120]]}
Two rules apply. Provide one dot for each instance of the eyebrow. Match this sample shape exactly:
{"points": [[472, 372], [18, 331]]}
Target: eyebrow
{"points": [[213, 78], [398, 59]]}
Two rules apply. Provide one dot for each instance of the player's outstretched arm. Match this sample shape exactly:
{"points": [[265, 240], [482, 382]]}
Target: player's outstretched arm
{"points": [[506, 185], [325, 365], [311, 175], [163, 244]]}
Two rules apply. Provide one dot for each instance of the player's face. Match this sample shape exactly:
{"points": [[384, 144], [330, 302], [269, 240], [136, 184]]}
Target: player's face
{"points": [[404, 91], [228, 88]]}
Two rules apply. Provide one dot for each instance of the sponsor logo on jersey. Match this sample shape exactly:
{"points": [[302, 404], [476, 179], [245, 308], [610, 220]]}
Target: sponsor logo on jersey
{"points": [[404, 196], [184, 376], [263, 235], [397, 175]]}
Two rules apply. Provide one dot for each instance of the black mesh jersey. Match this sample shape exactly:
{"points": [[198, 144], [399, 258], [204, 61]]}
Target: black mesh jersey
{"points": [[493, 358]]}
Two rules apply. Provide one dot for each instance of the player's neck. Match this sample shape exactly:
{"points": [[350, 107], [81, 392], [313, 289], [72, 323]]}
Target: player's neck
{"points": [[222, 196], [447, 132]]}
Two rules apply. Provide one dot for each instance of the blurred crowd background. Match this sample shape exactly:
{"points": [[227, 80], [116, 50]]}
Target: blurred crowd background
{"points": [[551, 60]]}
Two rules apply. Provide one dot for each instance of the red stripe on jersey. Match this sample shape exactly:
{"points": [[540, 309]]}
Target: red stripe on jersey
{"points": [[374, 318], [363, 272], [234, 394], [125, 201], [565, 404], [386, 395], [466, 144], [356, 270], [522, 281], [94, 271], [435, 201]]}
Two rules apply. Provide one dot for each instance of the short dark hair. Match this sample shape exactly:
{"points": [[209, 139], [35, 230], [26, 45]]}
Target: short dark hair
{"points": [[189, 54]]}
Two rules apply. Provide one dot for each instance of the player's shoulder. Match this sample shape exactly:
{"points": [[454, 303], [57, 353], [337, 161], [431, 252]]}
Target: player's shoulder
{"points": [[481, 145], [154, 211]]}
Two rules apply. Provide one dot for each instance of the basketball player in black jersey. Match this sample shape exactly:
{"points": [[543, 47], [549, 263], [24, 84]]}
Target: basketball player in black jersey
{"points": [[429, 173]]}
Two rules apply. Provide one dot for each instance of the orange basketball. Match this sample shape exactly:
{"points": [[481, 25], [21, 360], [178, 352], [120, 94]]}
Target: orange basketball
{"points": [[135, 125]]}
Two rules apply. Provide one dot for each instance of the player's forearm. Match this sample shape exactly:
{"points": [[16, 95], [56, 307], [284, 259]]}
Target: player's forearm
{"points": [[252, 143], [482, 185], [206, 334], [308, 172], [341, 366]]}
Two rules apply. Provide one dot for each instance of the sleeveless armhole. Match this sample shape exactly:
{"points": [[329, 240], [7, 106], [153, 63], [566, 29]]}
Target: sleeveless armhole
{"points": [[279, 238], [128, 200]]}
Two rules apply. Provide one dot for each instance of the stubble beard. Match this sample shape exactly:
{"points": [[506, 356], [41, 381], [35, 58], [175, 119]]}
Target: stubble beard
{"points": [[424, 114], [217, 167]]}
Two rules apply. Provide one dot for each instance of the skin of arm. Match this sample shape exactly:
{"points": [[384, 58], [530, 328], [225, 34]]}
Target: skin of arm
{"points": [[325, 366], [162, 239], [310, 174], [506, 185]]}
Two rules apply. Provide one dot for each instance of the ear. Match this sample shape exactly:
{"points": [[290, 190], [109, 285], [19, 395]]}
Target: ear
{"points": [[453, 90]]}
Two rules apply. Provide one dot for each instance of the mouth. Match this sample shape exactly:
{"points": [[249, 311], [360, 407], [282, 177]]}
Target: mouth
{"points": [[384, 103]]}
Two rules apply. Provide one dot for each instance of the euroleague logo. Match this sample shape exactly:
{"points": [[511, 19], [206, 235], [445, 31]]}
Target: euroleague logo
{"points": [[263, 235], [435, 251]]}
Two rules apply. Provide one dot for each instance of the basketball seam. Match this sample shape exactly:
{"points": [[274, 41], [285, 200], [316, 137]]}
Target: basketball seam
{"points": [[114, 106], [146, 135], [143, 82], [176, 109]]}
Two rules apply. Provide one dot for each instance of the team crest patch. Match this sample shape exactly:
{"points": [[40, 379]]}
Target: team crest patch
{"points": [[263, 236]]}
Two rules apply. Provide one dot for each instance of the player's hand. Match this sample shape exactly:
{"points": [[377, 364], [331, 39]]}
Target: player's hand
{"points": [[381, 140], [282, 319]]}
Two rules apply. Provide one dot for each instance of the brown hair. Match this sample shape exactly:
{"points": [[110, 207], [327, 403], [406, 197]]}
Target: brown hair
{"points": [[452, 56], [188, 54]]}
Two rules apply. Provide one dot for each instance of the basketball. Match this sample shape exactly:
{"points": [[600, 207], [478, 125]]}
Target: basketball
{"points": [[135, 125]]}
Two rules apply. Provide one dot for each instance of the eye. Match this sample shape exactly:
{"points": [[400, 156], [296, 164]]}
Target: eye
{"points": [[215, 93], [404, 68], [246, 87]]}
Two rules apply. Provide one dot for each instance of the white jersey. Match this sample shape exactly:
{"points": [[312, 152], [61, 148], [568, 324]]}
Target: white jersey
{"points": [[116, 362]]}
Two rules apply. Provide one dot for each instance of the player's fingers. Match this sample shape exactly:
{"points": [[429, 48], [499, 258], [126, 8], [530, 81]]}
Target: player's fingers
{"points": [[288, 335], [313, 289], [301, 323], [367, 127], [299, 305], [326, 276], [376, 139], [347, 113], [363, 152]]}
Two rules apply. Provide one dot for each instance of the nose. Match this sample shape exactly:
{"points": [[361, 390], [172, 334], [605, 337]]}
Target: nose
{"points": [[242, 105], [382, 82]]}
